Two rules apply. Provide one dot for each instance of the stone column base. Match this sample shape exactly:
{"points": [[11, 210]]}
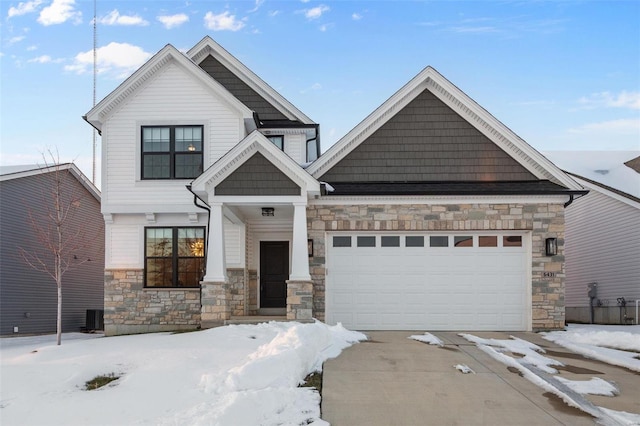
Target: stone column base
{"points": [[215, 297], [299, 300]]}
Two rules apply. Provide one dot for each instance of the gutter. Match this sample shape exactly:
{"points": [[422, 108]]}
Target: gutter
{"points": [[84, 117]]}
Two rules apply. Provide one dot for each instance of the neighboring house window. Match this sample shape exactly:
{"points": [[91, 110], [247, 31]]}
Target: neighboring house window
{"points": [[174, 257], [171, 152], [277, 140]]}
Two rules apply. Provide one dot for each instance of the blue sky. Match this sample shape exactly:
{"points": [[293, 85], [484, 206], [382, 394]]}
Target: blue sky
{"points": [[563, 75]]}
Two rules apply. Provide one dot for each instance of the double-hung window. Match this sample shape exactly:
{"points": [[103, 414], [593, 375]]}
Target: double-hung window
{"points": [[171, 152], [174, 257]]}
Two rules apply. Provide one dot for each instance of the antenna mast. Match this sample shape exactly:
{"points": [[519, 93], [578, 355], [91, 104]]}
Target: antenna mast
{"points": [[94, 85]]}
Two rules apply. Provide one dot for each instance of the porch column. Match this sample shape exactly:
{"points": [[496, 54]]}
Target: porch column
{"points": [[216, 268], [299, 285], [299, 252], [215, 292]]}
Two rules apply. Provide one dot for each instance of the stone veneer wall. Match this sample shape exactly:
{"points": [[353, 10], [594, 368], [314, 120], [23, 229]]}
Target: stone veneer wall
{"points": [[130, 308], [236, 287], [544, 220]]}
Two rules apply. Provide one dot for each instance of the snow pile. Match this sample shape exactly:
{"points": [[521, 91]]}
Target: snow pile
{"points": [[240, 375], [615, 345], [427, 338], [464, 369]]}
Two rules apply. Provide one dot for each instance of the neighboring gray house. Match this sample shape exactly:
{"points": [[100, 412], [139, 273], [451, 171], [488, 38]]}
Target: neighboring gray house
{"points": [[429, 215], [603, 236], [28, 298]]}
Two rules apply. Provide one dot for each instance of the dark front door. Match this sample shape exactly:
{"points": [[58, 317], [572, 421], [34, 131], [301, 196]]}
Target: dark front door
{"points": [[274, 272]]}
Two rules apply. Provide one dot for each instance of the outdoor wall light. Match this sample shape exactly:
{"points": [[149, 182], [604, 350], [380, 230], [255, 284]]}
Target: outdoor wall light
{"points": [[310, 247], [268, 211], [551, 246]]}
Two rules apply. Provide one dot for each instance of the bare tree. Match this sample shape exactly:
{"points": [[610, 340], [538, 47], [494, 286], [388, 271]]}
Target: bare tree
{"points": [[62, 243]]}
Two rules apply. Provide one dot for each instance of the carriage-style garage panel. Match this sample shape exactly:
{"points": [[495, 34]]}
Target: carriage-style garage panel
{"points": [[429, 281]]}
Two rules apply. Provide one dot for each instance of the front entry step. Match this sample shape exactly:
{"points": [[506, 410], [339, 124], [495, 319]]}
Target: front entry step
{"points": [[257, 319]]}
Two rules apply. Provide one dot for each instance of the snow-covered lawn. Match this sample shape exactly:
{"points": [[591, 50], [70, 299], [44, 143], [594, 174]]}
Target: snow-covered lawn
{"points": [[233, 375]]}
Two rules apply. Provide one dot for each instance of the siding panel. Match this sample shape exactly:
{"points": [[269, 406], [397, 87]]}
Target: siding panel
{"points": [[28, 298], [603, 246], [240, 90], [427, 141], [172, 97], [257, 176]]}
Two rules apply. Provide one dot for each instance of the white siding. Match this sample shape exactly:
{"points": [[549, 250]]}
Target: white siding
{"points": [[602, 244], [171, 97], [124, 247], [234, 245], [295, 147], [125, 239]]}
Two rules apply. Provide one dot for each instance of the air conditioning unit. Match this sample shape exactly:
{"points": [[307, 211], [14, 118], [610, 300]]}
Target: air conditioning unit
{"points": [[95, 320]]}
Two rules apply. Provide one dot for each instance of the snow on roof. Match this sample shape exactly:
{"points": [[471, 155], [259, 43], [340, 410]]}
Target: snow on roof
{"points": [[605, 167]]}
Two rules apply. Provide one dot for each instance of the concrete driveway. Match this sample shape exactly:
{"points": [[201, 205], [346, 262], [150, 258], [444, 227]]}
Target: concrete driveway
{"points": [[393, 380]]}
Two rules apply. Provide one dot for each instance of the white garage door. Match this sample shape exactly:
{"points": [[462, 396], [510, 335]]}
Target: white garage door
{"points": [[428, 281]]}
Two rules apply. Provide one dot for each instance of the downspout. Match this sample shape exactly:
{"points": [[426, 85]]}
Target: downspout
{"points": [[205, 207], [568, 203]]}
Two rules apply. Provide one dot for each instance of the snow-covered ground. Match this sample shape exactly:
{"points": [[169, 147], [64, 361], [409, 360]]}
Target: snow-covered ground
{"points": [[233, 375], [246, 374]]}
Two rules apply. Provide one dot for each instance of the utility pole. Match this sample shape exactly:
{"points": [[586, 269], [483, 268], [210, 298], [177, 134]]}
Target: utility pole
{"points": [[95, 72]]}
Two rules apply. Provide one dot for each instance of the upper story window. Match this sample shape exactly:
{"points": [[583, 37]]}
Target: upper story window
{"points": [[171, 152], [277, 140]]}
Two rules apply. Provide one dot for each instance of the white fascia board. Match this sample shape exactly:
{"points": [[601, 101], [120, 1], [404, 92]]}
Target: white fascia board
{"points": [[439, 199], [98, 114], [458, 101], [258, 200], [593, 187], [208, 46], [147, 208], [239, 154]]}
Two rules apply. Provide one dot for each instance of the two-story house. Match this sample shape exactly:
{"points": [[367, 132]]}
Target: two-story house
{"points": [[429, 214]]}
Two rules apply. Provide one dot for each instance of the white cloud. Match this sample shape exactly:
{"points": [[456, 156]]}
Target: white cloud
{"points": [[114, 18], [610, 128], [41, 59], [119, 58], [624, 99], [24, 8], [257, 6], [356, 16], [273, 13], [316, 12], [16, 39], [173, 21], [32, 48], [224, 21], [313, 87], [58, 12]]}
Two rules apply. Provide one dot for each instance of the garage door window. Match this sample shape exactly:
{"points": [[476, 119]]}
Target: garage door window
{"points": [[463, 241], [438, 241], [488, 241], [390, 241], [342, 241], [512, 241], [366, 241], [414, 241]]}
